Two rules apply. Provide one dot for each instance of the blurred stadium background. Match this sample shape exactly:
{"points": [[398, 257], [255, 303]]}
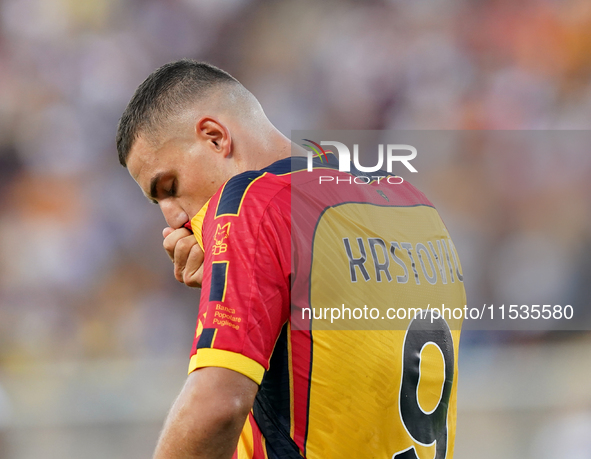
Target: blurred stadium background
{"points": [[94, 331]]}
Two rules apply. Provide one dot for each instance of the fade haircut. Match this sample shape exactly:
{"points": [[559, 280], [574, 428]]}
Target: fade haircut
{"points": [[162, 95]]}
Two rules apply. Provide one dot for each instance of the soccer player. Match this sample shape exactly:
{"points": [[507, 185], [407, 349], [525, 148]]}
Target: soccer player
{"points": [[267, 379]]}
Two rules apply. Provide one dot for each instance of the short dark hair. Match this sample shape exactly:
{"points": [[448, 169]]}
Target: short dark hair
{"points": [[162, 94]]}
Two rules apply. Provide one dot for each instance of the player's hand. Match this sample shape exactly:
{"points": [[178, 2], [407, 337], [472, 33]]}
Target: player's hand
{"points": [[182, 248]]}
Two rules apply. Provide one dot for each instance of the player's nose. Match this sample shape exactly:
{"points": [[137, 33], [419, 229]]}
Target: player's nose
{"points": [[174, 215]]}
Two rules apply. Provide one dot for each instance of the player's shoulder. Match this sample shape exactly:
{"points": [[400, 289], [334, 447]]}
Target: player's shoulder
{"points": [[254, 189]]}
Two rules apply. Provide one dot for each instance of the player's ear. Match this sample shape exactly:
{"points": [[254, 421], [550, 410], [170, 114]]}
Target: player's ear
{"points": [[215, 135]]}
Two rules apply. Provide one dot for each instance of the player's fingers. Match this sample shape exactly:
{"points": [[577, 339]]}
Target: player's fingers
{"points": [[196, 279], [166, 231], [182, 249], [173, 238], [193, 273]]}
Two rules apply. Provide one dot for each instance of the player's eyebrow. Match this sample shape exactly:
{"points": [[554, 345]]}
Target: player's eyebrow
{"points": [[154, 187]]}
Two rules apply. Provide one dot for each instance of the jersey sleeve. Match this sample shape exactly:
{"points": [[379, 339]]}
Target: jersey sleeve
{"points": [[245, 297]]}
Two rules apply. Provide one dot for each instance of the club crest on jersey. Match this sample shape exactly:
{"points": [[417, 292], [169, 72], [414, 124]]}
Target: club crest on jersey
{"points": [[221, 234]]}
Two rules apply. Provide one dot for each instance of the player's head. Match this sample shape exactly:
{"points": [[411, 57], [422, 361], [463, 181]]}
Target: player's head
{"points": [[188, 128]]}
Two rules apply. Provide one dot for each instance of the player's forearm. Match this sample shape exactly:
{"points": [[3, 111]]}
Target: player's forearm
{"points": [[208, 416]]}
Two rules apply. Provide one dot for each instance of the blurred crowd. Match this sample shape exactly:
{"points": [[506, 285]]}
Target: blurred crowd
{"points": [[82, 271]]}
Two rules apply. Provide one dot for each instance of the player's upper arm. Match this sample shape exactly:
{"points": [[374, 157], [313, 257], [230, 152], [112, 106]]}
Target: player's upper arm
{"points": [[208, 416], [245, 300], [219, 393]]}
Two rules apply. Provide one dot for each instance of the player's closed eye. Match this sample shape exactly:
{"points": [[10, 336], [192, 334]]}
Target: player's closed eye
{"points": [[171, 192], [158, 189]]}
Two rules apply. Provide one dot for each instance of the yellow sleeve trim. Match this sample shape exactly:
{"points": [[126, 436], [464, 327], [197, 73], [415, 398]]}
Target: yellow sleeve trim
{"points": [[207, 357], [197, 224]]}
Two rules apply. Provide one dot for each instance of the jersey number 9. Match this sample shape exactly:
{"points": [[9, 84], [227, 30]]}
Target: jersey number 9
{"points": [[425, 427]]}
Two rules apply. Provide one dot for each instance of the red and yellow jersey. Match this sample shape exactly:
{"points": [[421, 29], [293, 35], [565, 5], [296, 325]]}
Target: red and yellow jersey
{"points": [[280, 252]]}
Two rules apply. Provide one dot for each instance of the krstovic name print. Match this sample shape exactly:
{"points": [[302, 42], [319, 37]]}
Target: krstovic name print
{"points": [[432, 261]]}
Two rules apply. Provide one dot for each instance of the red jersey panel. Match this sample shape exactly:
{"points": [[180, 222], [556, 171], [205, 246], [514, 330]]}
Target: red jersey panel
{"points": [[245, 295]]}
